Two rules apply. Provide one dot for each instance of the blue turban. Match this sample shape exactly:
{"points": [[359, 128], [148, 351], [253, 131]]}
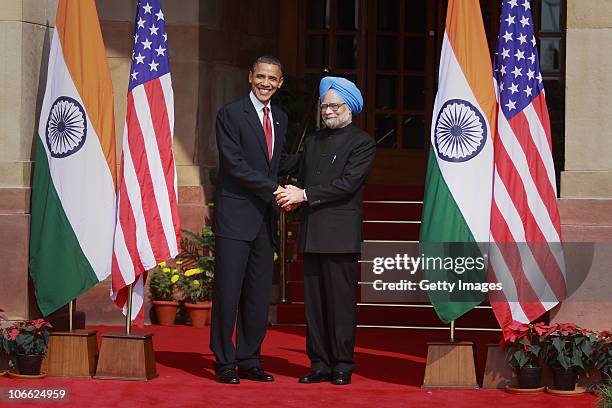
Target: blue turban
{"points": [[345, 89]]}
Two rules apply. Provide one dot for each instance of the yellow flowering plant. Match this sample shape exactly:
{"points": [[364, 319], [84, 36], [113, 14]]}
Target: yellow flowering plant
{"points": [[196, 285], [164, 281], [199, 258]]}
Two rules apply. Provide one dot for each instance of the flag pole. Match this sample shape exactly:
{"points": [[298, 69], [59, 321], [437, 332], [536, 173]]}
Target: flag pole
{"points": [[70, 307], [452, 331], [128, 315]]}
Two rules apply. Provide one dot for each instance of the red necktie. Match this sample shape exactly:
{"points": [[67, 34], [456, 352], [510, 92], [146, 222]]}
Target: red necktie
{"points": [[267, 125]]}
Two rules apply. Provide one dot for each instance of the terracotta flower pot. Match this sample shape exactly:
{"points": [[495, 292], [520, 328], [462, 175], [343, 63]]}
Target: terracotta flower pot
{"points": [[165, 311], [198, 313], [209, 318], [529, 377], [29, 364]]}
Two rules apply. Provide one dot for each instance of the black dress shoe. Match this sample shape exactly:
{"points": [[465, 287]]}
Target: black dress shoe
{"points": [[341, 378], [314, 377], [227, 376], [255, 374]]}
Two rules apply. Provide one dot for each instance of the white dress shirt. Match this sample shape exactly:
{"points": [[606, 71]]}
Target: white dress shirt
{"points": [[259, 109]]}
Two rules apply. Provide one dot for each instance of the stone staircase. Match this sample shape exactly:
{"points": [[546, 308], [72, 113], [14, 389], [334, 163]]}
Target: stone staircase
{"points": [[391, 214]]}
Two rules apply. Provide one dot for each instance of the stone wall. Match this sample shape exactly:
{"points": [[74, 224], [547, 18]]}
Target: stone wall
{"points": [[588, 122], [211, 45]]}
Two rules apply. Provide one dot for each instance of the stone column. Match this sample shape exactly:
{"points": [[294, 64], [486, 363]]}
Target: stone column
{"points": [[25, 36], [586, 183]]}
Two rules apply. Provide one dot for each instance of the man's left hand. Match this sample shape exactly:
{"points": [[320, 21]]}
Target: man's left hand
{"points": [[291, 196]]}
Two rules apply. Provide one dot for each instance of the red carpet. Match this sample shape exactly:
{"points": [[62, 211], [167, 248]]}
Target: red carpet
{"points": [[390, 367]]}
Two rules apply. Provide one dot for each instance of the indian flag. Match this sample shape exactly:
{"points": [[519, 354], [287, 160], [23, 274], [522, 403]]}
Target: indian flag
{"points": [[457, 200], [73, 192]]}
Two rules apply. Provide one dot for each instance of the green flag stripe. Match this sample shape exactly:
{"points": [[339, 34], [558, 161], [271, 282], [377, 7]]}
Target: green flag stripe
{"points": [[58, 266], [444, 222]]}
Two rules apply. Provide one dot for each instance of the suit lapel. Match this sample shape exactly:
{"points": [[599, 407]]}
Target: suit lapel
{"points": [[253, 120]]}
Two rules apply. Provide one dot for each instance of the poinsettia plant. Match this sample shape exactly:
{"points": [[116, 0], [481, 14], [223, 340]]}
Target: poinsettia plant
{"points": [[567, 345], [30, 337], [523, 344], [603, 353]]}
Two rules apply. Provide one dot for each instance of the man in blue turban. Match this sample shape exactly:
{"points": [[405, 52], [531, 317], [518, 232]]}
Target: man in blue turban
{"points": [[332, 172]]}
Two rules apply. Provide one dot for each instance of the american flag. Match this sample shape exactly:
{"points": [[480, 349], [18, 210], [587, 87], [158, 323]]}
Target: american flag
{"points": [[524, 207], [148, 226]]}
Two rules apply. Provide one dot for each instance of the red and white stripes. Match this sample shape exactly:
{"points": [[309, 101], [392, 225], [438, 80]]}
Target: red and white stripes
{"points": [[148, 226], [524, 211]]}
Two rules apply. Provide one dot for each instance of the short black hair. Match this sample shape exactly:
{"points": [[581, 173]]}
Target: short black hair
{"points": [[267, 59]]}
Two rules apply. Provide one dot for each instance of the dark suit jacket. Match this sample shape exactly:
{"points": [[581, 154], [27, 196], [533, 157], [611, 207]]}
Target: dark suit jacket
{"points": [[247, 180], [333, 170]]}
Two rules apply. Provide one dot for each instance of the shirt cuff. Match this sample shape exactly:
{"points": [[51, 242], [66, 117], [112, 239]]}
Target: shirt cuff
{"points": [[304, 194]]}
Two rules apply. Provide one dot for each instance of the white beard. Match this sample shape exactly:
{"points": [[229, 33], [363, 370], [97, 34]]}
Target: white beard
{"points": [[339, 121]]}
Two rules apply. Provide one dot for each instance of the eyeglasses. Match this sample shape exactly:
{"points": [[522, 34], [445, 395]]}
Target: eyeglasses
{"points": [[333, 106]]}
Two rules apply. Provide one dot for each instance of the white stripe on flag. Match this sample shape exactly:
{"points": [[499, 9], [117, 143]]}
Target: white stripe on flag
{"points": [[540, 140], [507, 209], [124, 261], [503, 276], [156, 171], [137, 298], [132, 186], [534, 201]]}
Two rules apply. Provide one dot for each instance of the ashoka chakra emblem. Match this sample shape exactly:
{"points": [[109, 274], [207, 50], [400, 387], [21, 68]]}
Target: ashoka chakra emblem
{"points": [[66, 127], [460, 132]]}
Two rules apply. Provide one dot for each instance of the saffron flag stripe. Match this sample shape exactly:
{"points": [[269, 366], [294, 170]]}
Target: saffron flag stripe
{"points": [[100, 196], [77, 28], [475, 212], [73, 186]]}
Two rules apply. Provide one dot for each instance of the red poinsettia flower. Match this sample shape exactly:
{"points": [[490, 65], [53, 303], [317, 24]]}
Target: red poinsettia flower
{"points": [[13, 334]]}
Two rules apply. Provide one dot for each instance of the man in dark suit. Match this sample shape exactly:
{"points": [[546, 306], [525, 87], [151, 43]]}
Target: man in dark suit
{"points": [[250, 138], [332, 171]]}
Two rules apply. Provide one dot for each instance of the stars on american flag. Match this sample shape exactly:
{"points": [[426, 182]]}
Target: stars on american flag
{"points": [[149, 57], [517, 67]]}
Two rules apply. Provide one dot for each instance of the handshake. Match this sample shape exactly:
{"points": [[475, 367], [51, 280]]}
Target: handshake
{"points": [[289, 197]]}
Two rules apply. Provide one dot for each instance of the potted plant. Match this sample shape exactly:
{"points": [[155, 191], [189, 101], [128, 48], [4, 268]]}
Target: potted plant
{"points": [[163, 287], [199, 253], [5, 353], [524, 352], [568, 351], [197, 286], [603, 354], [28, 341]]}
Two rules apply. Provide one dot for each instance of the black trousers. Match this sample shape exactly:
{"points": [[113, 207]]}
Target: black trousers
{"points": [[242, 293], [330, 282]]}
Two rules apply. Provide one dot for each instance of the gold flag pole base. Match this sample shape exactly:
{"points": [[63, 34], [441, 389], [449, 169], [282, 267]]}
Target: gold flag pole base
{"points": [[450, 364], [72, 353], [126, 355]]}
